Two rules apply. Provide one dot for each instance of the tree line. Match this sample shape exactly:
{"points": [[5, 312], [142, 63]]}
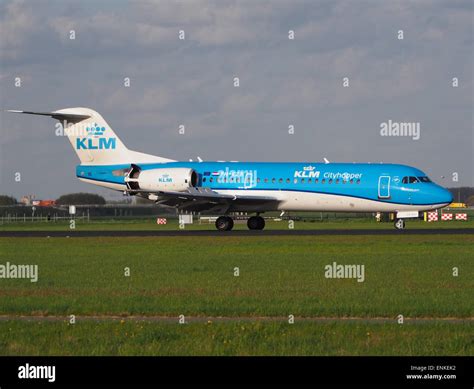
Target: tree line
{"points": [[67, 199]]}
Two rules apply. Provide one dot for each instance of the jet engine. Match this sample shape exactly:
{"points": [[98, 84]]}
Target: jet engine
{"points": [[161, 179]]}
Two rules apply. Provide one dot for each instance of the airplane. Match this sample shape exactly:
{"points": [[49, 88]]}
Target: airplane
{"points": [[221, 188]]}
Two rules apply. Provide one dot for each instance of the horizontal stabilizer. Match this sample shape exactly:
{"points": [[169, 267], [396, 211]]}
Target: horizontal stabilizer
{"points": [[71, 117], [93, 140]]}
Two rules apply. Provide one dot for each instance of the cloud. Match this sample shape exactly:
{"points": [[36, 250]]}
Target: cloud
{"points": [[16, 26], [282, 81]]}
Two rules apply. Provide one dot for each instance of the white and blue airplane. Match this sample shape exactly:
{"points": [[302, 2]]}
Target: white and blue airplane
{"points": [[221, 188]]}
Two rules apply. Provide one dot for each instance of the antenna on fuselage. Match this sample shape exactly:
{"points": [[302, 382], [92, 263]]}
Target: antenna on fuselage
{"points": [[326, 160]]}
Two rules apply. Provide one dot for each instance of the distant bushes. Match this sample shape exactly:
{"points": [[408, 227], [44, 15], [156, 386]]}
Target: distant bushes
{"points": [[463, 194], [7, 200], [81, 199]]}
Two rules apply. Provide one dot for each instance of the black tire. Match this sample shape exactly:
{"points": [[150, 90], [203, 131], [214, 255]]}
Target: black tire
{"points": [[230, 224], [224, 223], [256, 223], [252, 223], [399, 224]]}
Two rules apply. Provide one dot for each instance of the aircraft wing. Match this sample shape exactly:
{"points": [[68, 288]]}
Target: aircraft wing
{"points": [[202, 199]]}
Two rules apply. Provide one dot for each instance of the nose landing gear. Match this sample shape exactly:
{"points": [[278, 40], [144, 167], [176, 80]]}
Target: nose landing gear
{"points": [[400, 224]]}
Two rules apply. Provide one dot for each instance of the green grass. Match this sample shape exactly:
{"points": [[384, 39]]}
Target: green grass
{"points": [[150, 225], [144, 338], [409, 275]]}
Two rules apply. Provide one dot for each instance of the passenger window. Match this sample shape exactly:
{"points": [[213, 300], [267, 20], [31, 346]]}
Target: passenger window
{"points": [[266, 180], [323, 181], [273, 180], [120, 172], [309, 180], [330, 181], [287, 180], [316, 180], [337, 181], [295, 181], [211, 179], [358, 181], [302, 180]]}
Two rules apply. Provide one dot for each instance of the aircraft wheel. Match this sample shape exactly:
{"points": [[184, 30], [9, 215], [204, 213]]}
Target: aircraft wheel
{"points": [[256, 223], [224, 223], [400, 224]]}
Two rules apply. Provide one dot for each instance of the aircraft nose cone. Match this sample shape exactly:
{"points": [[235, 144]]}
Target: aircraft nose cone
{"points": [[445, 196]]}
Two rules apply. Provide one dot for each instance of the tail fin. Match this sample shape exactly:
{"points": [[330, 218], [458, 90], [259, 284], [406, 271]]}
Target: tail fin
{"points": [[93, 139]]}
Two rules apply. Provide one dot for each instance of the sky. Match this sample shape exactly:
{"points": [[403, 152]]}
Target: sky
{"points": [[351, 68]]}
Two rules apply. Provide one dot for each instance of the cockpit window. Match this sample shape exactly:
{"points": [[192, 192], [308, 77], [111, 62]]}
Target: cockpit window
{"points": [[409, 180], [424, 179]]}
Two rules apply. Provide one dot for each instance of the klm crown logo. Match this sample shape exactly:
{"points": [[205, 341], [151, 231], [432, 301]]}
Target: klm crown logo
{"points": [[95, 140], [95, 130]]}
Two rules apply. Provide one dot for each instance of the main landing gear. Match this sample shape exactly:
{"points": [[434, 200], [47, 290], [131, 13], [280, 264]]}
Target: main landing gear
{"points": [[256, 223], [400, 224], [226, 223]]}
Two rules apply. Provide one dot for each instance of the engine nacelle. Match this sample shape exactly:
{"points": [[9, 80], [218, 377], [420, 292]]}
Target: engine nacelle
{"points": [[172, 179]]}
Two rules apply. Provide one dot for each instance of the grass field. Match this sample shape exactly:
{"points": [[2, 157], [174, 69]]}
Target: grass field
{"points": [[144, 338], [194, 276], [150, 224]]}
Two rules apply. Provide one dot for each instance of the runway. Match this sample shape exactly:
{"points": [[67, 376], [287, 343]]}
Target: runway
{"points": [[239, 233]]}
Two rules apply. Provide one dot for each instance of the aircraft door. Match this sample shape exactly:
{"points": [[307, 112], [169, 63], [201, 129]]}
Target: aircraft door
{"points": [[384, 187]]}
